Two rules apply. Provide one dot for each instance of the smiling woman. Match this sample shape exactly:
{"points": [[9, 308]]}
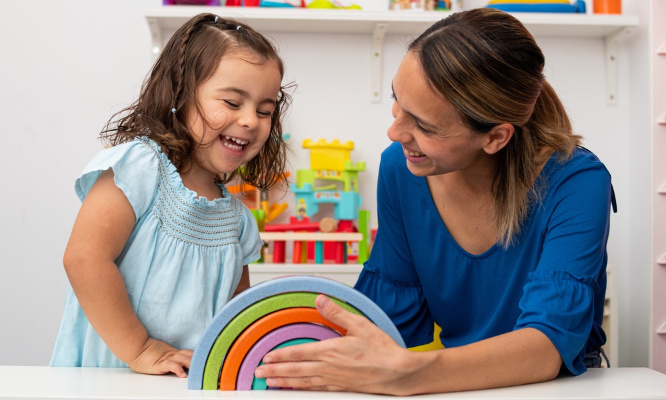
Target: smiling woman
{"points": [[493, 225], [159, 245]]}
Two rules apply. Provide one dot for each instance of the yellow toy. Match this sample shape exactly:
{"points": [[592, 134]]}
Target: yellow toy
{"points": [[332, 4]]}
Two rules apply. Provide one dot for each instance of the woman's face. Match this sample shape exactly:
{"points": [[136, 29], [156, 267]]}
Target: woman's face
{"points": [[433, 137]]}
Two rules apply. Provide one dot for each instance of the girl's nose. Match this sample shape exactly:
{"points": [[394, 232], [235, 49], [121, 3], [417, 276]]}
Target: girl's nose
{"points": [[248, 119]]}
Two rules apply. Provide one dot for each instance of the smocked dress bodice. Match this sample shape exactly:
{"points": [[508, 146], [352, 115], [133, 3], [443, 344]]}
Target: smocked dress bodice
{"points": [[183, 259]]}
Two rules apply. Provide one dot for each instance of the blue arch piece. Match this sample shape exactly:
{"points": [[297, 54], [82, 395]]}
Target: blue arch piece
{"points": [[277, 286]]}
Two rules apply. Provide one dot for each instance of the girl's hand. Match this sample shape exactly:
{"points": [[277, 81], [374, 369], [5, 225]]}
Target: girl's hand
{"points": [[366, 360], [158, 358]]}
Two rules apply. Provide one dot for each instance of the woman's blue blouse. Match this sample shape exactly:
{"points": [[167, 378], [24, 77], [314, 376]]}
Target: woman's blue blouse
{"points": [[553, 277], [181, 264]]}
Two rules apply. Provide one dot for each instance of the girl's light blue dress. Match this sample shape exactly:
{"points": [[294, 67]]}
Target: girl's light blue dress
{"points": [[181, 264]]}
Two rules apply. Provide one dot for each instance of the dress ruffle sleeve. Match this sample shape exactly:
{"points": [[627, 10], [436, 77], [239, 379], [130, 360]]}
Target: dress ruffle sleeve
{"points": [[135, 167], [249, 239]]}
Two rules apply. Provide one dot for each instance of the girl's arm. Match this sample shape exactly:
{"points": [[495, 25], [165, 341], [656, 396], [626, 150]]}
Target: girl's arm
{"points": [[368, 360], [244, 281], [101, 230]]}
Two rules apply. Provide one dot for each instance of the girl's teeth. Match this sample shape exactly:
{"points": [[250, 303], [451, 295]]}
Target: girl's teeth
{"points": [[233, 147], [240, 142]]}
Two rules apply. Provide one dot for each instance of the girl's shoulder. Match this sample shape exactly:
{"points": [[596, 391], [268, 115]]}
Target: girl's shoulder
{"points": [[136, 165], [140, 150]]}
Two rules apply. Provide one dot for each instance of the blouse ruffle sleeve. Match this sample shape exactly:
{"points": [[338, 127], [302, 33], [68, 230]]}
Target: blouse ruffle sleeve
{"points": [[561, 307], [559, 296], [136, 172], [389, 277], [402, 301]]}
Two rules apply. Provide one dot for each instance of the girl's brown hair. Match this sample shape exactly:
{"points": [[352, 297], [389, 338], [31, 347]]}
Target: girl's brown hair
{"points": [[189, 58], [487, 64]]}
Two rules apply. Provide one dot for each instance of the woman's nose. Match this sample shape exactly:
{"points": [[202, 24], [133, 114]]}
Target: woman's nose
{"points": [[397, 132]]}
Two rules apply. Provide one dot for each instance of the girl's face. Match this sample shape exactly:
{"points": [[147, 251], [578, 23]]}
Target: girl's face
{"points": [[237, 103], [434, 139]]}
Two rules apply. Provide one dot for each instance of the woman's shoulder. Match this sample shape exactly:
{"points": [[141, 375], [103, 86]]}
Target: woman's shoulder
{"points": [[581, 160], [582, 174]]}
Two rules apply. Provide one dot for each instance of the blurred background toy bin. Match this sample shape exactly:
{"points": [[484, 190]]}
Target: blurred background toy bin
{"points": [[368, 5]]}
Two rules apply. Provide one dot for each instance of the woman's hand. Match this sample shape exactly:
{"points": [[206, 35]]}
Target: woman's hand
{"points": [[157, 358], [366, 360]]}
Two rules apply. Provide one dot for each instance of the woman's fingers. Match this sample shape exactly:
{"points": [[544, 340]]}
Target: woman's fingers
{"points": [[302, 352], [297, 375], [353, 323]]}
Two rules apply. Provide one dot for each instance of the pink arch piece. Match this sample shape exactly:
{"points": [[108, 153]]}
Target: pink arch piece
{"points": [[272, 340]]}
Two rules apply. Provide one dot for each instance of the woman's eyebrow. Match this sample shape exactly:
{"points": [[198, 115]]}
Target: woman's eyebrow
{"points": [[425, 124]]}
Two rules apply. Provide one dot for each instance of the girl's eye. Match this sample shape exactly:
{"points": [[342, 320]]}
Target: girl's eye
{"points": [[264, 114], [231, 104]]}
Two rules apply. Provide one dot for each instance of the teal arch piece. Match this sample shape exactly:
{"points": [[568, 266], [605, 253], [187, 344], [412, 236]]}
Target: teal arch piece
{"points": [[260, 383]]}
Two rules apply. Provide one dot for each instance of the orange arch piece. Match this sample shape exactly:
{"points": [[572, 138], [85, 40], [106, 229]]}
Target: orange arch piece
{"points": [[259, 329]]}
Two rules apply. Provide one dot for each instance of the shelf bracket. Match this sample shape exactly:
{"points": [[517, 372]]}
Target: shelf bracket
{"points": [[662, 329], [156, 36], [376, 61], [662, 260], [611, 47]]}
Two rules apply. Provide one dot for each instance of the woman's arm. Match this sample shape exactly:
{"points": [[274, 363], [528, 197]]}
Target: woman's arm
{"points": [[368, 360], [101, 230]]}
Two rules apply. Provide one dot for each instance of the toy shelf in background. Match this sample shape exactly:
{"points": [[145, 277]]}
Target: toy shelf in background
{"points": [[332, 179], [318, 4], [272, 314]]}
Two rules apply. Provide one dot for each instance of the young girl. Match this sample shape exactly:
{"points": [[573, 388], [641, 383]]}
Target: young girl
{"points": [[159, 245]]}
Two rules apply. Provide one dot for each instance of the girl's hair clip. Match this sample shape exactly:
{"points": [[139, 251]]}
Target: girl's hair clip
{"points": [[173, 110], [238, 28], [216, 17]]}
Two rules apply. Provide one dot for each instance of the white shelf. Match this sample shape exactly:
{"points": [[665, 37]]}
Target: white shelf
{"points": [[399, 22], [345, 273], [163, 21]]}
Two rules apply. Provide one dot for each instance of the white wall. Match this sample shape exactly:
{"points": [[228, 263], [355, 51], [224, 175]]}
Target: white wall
{"points": [[66, 66]]}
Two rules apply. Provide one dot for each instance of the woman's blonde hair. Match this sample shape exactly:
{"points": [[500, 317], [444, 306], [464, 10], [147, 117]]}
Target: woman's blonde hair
{"points": [[488, 65]]}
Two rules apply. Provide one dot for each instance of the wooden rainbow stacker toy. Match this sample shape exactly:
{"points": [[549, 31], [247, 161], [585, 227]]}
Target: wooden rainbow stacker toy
{"points": [[272, 314]]}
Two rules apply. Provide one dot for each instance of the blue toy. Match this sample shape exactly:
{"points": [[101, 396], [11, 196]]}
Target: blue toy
{"points": [[551, 6]]}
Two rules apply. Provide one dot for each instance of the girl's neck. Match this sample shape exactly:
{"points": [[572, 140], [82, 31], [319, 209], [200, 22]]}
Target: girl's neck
{"points": [[201, 182]]}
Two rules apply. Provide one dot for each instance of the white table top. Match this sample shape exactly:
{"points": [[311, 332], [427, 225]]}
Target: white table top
{"points": [[122, 384]]}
